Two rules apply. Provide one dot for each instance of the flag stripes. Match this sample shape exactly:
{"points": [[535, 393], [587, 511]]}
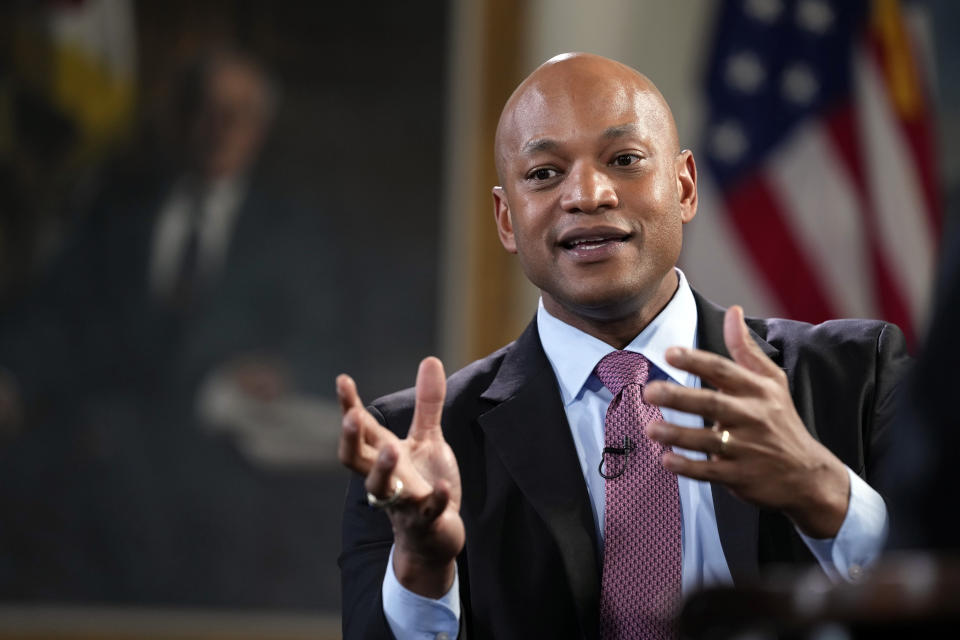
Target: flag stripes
{"points": [[833, 199]]}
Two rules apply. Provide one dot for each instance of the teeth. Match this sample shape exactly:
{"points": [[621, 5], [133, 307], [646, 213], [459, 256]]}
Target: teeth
{"points": [[588, 244]]}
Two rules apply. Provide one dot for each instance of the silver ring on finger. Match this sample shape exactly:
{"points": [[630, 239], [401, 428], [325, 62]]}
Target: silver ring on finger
{"points": [[383, 503]]}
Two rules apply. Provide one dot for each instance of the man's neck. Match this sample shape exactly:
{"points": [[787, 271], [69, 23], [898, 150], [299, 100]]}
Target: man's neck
{"points": [[620, 325]]}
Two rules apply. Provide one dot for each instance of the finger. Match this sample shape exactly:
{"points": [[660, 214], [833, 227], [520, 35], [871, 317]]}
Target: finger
{"points": [[435, 503], [712, 405], [380, 480], [693, 439], [349, 446], [361, 437], [744, 349], [713, 470], [430, 392], [723, 373], [347, 393]]}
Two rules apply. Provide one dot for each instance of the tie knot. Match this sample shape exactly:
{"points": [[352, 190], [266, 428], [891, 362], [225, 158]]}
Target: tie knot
{"points": [[620, 368]]}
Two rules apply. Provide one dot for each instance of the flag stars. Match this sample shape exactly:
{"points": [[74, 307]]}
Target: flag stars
{"points": [[728, 143], [745, 72], [815, 16], [765, 11], [799, 84]]}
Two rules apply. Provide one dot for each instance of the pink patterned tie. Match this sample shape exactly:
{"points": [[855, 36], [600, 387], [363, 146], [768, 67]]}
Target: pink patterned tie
{"points": [[641, 555]]}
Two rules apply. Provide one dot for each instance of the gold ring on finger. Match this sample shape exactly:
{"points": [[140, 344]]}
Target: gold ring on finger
{"points": [[724, 441]]}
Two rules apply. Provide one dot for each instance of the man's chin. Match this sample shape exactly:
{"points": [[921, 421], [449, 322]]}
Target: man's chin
{"points": [[607, 300], [600, 303]]}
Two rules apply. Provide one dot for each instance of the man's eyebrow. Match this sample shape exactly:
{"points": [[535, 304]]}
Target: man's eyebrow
{"points": [[619, 131], [539, 144], [549, 144]]}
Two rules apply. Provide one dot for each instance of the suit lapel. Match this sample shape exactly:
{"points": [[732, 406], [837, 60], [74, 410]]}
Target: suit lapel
{"points": [[737, 521], [529, 429]]}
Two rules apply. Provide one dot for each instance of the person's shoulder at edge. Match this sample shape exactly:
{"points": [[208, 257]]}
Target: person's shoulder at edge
{"points": [[830, 348], [785, 333], [828, 336]]}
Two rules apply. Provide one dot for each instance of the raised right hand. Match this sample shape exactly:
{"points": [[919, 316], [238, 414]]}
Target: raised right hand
{"points": [[428, 530]]}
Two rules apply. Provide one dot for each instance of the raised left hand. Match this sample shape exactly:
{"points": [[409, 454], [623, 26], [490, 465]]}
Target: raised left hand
{"points": [[769, 458]]}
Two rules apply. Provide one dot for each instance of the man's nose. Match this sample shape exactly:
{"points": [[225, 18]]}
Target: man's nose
{"points": [[588, 188]]}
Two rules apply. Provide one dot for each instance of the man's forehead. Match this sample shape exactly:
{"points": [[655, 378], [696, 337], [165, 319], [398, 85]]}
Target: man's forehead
{"points": [[554, 115]]}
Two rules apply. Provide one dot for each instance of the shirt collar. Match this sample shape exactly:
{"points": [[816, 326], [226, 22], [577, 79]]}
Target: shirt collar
{"points": [[573, 354]]}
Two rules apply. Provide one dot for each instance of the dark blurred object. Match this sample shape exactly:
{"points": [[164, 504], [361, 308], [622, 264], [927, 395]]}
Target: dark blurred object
{"points": [[11, 407], [31, 166], [905, 595], [923, 488]]}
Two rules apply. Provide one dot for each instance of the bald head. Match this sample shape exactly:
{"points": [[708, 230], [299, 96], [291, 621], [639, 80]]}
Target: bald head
{"points": [[578, 81]]}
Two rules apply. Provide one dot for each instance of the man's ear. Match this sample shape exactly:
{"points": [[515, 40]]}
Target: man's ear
{"points": [[501, 213], [687, 185]]}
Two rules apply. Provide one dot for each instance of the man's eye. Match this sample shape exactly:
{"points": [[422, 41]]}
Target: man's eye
{"points": [[626, 159], [543, 173]]}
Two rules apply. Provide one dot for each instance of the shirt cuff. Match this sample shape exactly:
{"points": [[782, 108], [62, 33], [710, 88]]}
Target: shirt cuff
{"points": [[860, 539], [414, 617]]}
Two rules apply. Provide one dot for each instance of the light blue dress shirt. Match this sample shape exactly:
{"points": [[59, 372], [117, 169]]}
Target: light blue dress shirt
{"points": [[573, 355]]}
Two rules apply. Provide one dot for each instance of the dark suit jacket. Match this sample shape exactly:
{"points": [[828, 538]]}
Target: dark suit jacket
{"points": [[530, 567]]}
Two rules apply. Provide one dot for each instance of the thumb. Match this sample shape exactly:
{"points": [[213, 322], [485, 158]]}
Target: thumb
{"points": [[430, 392], [743, 349]]}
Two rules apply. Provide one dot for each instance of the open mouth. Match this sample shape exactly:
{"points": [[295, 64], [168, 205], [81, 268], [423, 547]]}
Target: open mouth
{"points": [[587, 239], [591, 244]]}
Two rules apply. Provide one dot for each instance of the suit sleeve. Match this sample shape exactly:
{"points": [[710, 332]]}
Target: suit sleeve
{"points": [[862, 535]]}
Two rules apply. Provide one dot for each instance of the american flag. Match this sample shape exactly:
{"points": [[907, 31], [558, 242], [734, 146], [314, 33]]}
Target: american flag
{"points": [[819, 188]]}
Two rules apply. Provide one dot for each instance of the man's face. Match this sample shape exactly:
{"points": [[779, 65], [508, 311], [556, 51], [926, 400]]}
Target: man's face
{"points": [[228, 132], [595, 192]]}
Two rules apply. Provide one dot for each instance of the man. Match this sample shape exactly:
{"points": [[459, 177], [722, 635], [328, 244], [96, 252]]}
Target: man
{"points": [[200, 264], [522, 517]]}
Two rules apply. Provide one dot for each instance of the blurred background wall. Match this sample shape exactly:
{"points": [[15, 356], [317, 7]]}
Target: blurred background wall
{"points": [[207, 210]]}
